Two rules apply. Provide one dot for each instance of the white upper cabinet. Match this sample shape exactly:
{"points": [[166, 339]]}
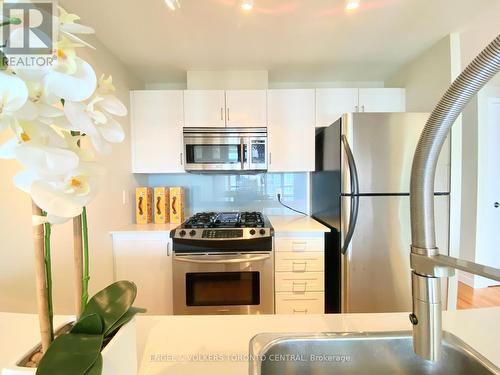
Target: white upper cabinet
{"points": [[246, 108], [157, 120], [291, 130], [382, 100], [332, 103], [204, 108]]}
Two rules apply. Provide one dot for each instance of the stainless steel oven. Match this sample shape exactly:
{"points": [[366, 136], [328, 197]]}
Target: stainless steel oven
{"points": [[225, 149], [224, 283]]}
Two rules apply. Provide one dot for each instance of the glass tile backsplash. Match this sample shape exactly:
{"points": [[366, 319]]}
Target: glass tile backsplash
{"points": [[225, 192]]}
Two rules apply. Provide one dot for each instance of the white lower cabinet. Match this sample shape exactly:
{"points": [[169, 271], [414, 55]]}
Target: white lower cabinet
{"points": [[300, 262], [146, 259], [299, 274], [300, 282], [300, 303]]}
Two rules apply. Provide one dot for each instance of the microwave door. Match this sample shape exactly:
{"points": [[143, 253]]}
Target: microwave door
{"points": [[213, 154]]}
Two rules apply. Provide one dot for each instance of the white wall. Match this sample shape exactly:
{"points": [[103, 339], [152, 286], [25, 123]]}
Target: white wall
{"points": [[426, 77], [481, 221], [227, 80], [474, 36], [17, 286]]}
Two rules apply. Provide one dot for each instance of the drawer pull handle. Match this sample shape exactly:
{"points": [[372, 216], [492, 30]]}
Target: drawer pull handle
{"points": [[299, 266], [304, 311], [299, 286]]}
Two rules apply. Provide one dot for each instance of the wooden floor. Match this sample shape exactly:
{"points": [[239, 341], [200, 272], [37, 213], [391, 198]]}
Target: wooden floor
{"points": [[469, 298]]}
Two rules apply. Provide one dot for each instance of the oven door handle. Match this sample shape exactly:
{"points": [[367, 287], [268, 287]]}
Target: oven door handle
{"points": [[189, 259]]}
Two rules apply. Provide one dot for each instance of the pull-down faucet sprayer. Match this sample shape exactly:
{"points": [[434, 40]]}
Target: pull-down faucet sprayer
{"points": [[428, 266]]}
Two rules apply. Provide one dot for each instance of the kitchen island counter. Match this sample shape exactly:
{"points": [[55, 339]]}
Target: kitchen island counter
{"points": [[219, 344]]}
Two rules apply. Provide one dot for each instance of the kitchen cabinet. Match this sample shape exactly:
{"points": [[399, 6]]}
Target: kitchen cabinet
{"points": [[157, 120], [204, 108], [246, 108], [382, 100], [299, 273], [291, 130], [332, 103], [146, 259], [219, 108]]}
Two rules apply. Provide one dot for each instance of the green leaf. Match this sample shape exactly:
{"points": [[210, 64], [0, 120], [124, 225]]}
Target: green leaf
{"points": [[127, 317], [96, 369], [71, 354], [111, 303], [90, 324]]}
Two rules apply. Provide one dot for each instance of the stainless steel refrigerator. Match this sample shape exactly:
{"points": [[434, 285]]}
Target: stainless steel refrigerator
{"points": [[360, 189]]}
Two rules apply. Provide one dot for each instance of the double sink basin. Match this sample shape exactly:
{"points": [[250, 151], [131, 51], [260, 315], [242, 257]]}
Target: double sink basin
{"points": [[359, 353]]}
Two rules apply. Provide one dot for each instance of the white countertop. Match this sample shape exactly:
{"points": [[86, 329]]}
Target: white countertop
{"points": [[134, 228], [296, 223], [281, 223], [226, 338]]}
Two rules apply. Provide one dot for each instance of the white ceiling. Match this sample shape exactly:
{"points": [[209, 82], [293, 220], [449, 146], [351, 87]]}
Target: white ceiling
{"points": [[293, 39]]}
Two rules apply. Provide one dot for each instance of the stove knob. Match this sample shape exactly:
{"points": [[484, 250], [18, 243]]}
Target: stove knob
{"points": [[182, 233], [252, 231], [262, 232], [192, 233]]}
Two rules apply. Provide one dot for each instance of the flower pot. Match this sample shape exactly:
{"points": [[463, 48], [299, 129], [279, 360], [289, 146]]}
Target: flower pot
{"points": [[119, 356]]}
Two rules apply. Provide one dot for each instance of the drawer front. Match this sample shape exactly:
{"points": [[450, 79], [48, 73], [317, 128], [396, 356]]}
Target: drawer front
{"points": [[299, 262], [300, 303], [300, 282], [300, 244]]}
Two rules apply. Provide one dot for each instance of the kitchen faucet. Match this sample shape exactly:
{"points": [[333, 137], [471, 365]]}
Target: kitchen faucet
{"points": [[428, 266]]}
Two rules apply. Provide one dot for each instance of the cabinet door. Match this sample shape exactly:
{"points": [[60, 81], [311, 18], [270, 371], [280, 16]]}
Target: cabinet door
{"points": [[157, 120], [382, 100], [246, 108], [146, 259], [291, 130], [331, 104], [204, 108]]}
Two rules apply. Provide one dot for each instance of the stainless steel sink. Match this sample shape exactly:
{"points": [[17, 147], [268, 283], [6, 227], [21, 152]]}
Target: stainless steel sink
{"points": [[359, 353]]}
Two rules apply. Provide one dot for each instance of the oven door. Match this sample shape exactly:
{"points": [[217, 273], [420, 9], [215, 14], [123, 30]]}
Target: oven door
{"points": [[214, 153], [212, 284]]}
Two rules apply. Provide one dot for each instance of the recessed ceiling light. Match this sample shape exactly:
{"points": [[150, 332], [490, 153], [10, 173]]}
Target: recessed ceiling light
{"points": [[247, 5], [173, 4], [352, 4]]}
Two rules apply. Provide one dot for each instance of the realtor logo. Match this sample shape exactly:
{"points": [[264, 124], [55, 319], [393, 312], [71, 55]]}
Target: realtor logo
{"points": [[33, 33]]}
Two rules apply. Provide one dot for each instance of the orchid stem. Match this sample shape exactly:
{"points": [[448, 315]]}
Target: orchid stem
{"points": [[86, 274], [48, 274], [11, 21]]}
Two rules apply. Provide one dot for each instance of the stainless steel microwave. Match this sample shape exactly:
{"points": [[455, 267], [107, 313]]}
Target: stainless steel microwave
{"points": [[225, 149]]}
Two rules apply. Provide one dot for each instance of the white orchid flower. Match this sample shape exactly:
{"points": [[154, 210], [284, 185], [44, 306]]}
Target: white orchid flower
{"points": [[75, 87], [66, 197], [69, 28], [95, 118], [46, 108], [63, 197], [66, 56], [41, 149], [13, 96]]}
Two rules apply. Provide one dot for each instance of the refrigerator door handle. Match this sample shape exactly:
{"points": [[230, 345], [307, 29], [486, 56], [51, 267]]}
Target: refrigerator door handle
{"points": [[353, 173]]}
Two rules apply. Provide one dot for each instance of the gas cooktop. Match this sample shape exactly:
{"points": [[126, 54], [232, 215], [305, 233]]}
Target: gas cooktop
{"points": [[226, 220], [222, 226]]}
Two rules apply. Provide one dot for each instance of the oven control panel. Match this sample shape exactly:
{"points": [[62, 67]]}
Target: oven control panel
{"points": [[204, 234], [224, 233]]}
